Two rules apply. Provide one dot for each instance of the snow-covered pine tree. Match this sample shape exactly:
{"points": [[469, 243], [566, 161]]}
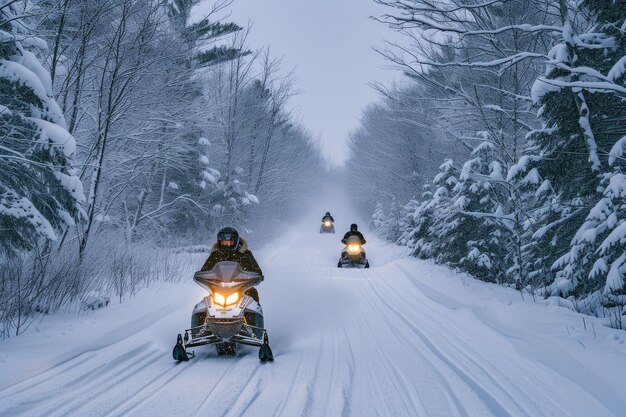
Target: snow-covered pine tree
{"points": [[582, 105], [378, 218], [440, 241], [596, 261], [479, 230], [416, 225], [39, 191]]}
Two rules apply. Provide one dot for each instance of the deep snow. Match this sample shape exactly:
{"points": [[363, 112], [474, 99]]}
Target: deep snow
{"points": [[404, 338]]}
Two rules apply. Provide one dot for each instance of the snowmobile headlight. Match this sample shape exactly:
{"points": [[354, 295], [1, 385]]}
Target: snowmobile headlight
{"points": [[219, 299], [225, 300], [354, 249], [327, 223], [232, 299]]}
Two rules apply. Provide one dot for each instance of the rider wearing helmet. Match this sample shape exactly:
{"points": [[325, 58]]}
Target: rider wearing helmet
{"points": [[353, 232], [328, 216], [231, 247]]}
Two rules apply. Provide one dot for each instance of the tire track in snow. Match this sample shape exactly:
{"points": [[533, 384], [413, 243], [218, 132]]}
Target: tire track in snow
{"points": [[538, 397], [149, 389], [281, 409], [81, 398], [348, 388], [202, 409], [496, 379], [373, 302], [66, 393], [46, 375], [247, 395], [493, 404]]}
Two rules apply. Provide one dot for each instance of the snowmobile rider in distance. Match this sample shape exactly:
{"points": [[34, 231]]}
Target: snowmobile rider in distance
{"points": [[353, 232], [231, 247], [327, 216]]}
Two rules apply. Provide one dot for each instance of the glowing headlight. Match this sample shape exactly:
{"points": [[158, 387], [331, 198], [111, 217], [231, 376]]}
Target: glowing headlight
{"points": [[232, 299], [327, 223], [225, 301], [354, 249]]}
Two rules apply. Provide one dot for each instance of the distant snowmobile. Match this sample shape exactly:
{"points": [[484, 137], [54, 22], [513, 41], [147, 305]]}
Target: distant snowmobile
{"points": [[230, 316], [353, 255], [327, 226]]}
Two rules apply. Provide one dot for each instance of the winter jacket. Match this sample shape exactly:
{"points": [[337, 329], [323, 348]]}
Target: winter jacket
{"points": [[328, 217], [351, 233], [243, 256]]}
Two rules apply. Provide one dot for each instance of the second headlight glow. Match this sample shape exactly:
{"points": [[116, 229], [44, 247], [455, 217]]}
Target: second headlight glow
{"points": [[232, 299]]}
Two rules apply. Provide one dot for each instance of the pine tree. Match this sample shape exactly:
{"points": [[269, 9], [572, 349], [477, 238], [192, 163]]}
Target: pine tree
{"points": [[378, 218], [417, 225], [39, 191], [582, 104], [440, 242], [479, 219]]}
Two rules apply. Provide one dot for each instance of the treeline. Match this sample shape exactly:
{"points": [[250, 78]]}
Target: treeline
{"points": [[129, 127], [502, 154]]}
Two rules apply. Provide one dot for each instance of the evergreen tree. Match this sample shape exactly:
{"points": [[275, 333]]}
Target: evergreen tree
{"points": [[418, 222], [39, 190], [479, 228], [582, 105], [442, 240]]}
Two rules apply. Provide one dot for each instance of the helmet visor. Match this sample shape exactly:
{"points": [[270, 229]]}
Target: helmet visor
{"points": [[227, 243]]}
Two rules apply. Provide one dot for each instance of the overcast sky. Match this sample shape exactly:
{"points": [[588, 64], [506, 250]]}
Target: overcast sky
{"points": [[329, 43]]}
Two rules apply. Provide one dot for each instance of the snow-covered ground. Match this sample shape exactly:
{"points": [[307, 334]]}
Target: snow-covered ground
{"points": [[404, 338]]}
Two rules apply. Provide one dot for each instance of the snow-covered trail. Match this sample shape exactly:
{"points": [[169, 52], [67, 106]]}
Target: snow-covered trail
{"points": [[404, 338]]}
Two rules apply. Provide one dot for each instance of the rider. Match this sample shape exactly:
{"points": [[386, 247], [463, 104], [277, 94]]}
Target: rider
{"points": [[353, 232], [328, 216], [231, 247]]}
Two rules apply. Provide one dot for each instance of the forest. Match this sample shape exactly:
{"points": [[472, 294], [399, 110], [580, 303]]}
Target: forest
{"points": [[128, 128], [501, 151], [131, 131]]}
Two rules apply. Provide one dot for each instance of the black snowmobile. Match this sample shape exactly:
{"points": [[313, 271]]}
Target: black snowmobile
{"points": [[353, 255], [327, 226], [227, 317]]}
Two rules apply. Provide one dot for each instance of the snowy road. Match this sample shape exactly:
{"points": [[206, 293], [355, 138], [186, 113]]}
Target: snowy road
{"points": [[404, 338]]}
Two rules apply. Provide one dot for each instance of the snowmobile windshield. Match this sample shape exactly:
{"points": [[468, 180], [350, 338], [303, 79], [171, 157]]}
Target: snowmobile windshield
{"points": [[227, 274]]}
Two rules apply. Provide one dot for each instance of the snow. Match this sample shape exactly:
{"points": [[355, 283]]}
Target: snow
{"points": [[17, 73], [252, 198], [618, 70], [404, 338], [541, 87], [56, 135], [532, 177], [615, 278], [22, 208], [73, 184], [210, 178], [617, 151], [545, 187], [30, 61]]}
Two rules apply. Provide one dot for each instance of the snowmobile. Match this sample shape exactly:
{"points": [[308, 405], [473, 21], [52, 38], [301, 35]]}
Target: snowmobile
{"points": [[353, 255], [227, 317], [327, 226]]}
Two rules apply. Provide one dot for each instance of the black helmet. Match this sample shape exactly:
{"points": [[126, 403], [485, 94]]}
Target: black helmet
{"points": [[228, 238], [327, 213], [354, 227]]}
